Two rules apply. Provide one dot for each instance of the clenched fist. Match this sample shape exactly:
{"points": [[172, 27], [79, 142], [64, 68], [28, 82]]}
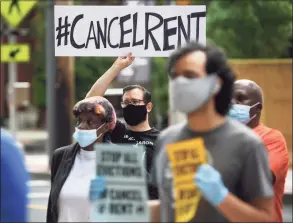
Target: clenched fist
{"points": [[123, 62]]}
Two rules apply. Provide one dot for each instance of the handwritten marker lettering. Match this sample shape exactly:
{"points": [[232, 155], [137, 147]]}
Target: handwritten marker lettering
{"points": [[126, 193], [113, 30], [63, 31]]}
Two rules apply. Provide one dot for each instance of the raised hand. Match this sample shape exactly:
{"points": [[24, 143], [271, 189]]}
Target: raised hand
{"points": [[123, 62]]}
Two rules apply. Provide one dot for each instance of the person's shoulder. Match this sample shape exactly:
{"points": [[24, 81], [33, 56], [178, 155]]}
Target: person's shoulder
{"points": [[6, 136], [117, 134], [275, 134], [242, 133], [171, 131], [60, 151], [154, 131], [8, 143]]}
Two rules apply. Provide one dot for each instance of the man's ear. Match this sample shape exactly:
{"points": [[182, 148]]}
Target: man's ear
{"points": [[259, 108], [149, 107]]}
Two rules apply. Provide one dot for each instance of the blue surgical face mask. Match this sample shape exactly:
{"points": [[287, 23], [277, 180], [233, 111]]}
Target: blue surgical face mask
{"points": [[86, 137], [241, 113]]}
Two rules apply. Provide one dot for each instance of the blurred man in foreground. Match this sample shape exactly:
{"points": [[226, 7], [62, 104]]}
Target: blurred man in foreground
{"points": [[247, 108], [236, 185], [14, 178], [137, 105]]}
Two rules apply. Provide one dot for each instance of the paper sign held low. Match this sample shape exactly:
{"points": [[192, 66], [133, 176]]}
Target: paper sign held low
{"points": [[125, 197]]}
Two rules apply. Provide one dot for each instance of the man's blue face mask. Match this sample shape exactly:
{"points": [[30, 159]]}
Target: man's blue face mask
{"points": [[241, 113]]}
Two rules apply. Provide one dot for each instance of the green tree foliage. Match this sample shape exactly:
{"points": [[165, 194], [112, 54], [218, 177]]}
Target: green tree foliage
{"points": [[159, 79], [38, 58], [250, 29], [87, 71], [244, 29]]}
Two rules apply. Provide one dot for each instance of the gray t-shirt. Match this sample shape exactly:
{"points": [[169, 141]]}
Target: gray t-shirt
{"points": [[236, 152]]}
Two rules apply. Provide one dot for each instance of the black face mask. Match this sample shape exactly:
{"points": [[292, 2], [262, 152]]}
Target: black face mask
{"points": [[134, 114]]}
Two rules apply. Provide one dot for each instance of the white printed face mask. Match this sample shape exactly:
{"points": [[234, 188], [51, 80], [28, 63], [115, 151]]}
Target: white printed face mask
{"points": [[86, 137], [188, 95]]}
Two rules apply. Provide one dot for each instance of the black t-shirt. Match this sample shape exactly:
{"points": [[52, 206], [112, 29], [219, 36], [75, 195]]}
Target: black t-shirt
{"points": [[122, 135]]}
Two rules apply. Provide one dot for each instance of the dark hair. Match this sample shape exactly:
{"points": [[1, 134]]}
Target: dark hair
{"points": [[147, 97], [216, 62], [90, 105]]}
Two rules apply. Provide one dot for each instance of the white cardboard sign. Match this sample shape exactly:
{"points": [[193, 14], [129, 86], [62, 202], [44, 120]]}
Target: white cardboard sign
{"points": [[125, 198], [146, 31]]}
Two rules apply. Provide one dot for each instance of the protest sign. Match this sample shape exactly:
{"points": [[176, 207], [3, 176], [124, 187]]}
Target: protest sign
{"points": [[146, 31], [185, 157], [125, 197]]}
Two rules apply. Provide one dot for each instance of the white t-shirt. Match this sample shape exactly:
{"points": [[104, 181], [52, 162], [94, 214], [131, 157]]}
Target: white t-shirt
{"points": [[74, 204]]}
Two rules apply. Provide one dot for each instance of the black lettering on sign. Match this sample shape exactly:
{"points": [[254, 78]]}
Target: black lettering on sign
{"points": [[124, 32], [140, 209], [181, 155], [102, 35], [101, 208], [185, 169], [113, 157], [91, 35], [130, 195], [120, 209], [109, 33], [184, 209], [72, 41], [101, 31], [194, 154], [134, 42], [130, 158], [186, 154], [186, 194], [183, 30], [167, 33], [198, 15], [118, 171], [148, 31]]}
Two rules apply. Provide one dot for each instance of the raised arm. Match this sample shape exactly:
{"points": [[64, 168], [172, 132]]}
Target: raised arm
{"points": [[99, 88]]}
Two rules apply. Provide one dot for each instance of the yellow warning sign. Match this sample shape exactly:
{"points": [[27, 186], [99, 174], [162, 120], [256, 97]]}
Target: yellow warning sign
{"points": [[14, 11], [185, 157], [15, 53]]}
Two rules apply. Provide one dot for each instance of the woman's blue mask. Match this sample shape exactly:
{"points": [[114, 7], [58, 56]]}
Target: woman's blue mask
{"points": [[241, 113], [86, 137]]}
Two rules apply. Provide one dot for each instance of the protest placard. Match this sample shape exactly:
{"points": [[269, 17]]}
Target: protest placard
{"points": [[185, 157], [146, 31], [125, 197]]}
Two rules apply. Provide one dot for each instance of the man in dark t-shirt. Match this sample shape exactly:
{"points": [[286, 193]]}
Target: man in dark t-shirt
{"points": [[136, 104]]}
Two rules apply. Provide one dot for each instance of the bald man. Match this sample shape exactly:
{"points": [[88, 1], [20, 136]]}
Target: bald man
{"points": [[247, 107]]}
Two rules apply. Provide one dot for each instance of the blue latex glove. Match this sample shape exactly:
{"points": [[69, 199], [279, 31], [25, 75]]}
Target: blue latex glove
{"points": [[210, 184], [97, 187]]}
